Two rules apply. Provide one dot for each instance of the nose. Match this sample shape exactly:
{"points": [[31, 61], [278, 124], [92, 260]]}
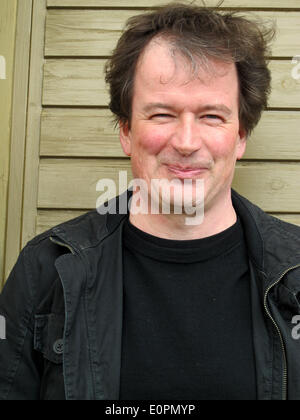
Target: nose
{"points": [[187, 138]]}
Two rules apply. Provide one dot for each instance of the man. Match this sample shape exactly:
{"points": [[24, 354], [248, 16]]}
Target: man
{"points": [[146, 305]]}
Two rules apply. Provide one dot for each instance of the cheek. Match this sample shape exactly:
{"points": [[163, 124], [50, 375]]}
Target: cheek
{"points": [[224, 147], [152, 142]]}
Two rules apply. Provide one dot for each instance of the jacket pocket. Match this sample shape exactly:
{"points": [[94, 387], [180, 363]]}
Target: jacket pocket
{"points": [[48, 337]]}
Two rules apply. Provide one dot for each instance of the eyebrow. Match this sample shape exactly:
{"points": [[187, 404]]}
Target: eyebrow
{"points": [[152, 106], [210, 107]]}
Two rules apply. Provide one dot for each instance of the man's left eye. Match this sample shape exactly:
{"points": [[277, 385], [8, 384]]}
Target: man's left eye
{"points": [[211, 116]]}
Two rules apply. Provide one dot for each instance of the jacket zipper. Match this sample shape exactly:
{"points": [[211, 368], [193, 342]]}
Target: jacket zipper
{"points": [[285, 374], [62, 244]]}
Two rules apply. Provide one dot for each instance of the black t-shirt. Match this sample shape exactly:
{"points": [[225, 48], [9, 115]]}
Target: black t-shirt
{"points": [[187, 332]]}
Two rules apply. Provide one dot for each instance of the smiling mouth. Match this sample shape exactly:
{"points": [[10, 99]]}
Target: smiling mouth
{"points": [[186, 172]]}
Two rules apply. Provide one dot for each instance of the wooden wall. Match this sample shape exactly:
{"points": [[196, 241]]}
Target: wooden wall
{"points": [[7, 47], [71, 142]]}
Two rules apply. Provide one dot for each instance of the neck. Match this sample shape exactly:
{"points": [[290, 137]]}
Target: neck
{"points": [[216, 219]]}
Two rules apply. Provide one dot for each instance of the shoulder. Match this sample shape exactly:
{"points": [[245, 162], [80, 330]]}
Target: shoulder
{"points": [[265, 221], [274, 243], [34, 272]]}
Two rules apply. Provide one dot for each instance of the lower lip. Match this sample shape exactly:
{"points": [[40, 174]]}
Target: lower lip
{"points": [[188, 173]]}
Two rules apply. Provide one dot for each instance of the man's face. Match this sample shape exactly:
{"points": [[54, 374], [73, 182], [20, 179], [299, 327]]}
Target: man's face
{"points": [[184, 127]]}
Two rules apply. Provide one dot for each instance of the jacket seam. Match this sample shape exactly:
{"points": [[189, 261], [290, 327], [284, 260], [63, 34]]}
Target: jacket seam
{"points": [[106, 236], [38, 239], [17, 363], [27, 316], [91, 358]]}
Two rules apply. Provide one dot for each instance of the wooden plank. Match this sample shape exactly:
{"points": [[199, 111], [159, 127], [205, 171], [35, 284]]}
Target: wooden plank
{"points": [[71, 183], [289, 218], [74, 82], [8, 13], [285, 88], [272, 186], [91, 133], [79, 133], [80, 82], [144, 3], [277, 136], [95, 33], [47, 219], [33, 122], [84, 32], [18, 137]]}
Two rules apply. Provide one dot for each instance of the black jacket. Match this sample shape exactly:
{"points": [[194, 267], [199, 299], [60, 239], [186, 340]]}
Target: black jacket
{"points": [[63, 309]]}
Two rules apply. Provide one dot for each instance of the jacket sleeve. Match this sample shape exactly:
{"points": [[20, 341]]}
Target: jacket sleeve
{"points": [[19, 363]]}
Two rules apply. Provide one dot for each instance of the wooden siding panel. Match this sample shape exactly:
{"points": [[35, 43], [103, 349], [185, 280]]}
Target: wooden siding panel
{"points": [[84, 32], [47, 219], [18, 135], [8, 13], [75, 82], [277, 136], [272, 186], [285, 87], [79, 132], [144, 3], [95, 32], [92, 133], [80, 82], [71, 183]]}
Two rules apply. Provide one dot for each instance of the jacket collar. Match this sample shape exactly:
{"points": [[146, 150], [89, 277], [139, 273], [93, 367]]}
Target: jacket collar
{"points": [[273, 245]]}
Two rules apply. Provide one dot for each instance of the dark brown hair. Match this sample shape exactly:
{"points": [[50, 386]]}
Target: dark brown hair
{"points": [[199, 33]]}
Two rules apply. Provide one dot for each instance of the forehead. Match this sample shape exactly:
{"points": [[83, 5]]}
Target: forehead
{"points": [[162, 66]]}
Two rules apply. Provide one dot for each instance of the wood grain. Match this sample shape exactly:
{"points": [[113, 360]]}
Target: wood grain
{"points": [[47, 219], [80, 82], [33, 123], [71, 183], [92, 133], [79, 132], [18, 135], [8, 13], [74, 82], [144, 3], [285, 88], [94, 33]]}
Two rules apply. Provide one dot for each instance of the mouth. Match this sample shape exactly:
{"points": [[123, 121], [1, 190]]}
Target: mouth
{"points": [[186, 172]]}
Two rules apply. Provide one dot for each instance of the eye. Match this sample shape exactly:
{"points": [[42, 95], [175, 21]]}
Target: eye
{"points": [[213, 119], [161, 116], [211, 116]]}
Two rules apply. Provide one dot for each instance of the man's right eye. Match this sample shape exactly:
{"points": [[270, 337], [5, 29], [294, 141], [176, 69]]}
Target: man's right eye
{"points": [[162, 116]]}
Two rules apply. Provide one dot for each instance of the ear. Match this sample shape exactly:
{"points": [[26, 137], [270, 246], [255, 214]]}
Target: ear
{"points": [[242, 143], [125, 138]]}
